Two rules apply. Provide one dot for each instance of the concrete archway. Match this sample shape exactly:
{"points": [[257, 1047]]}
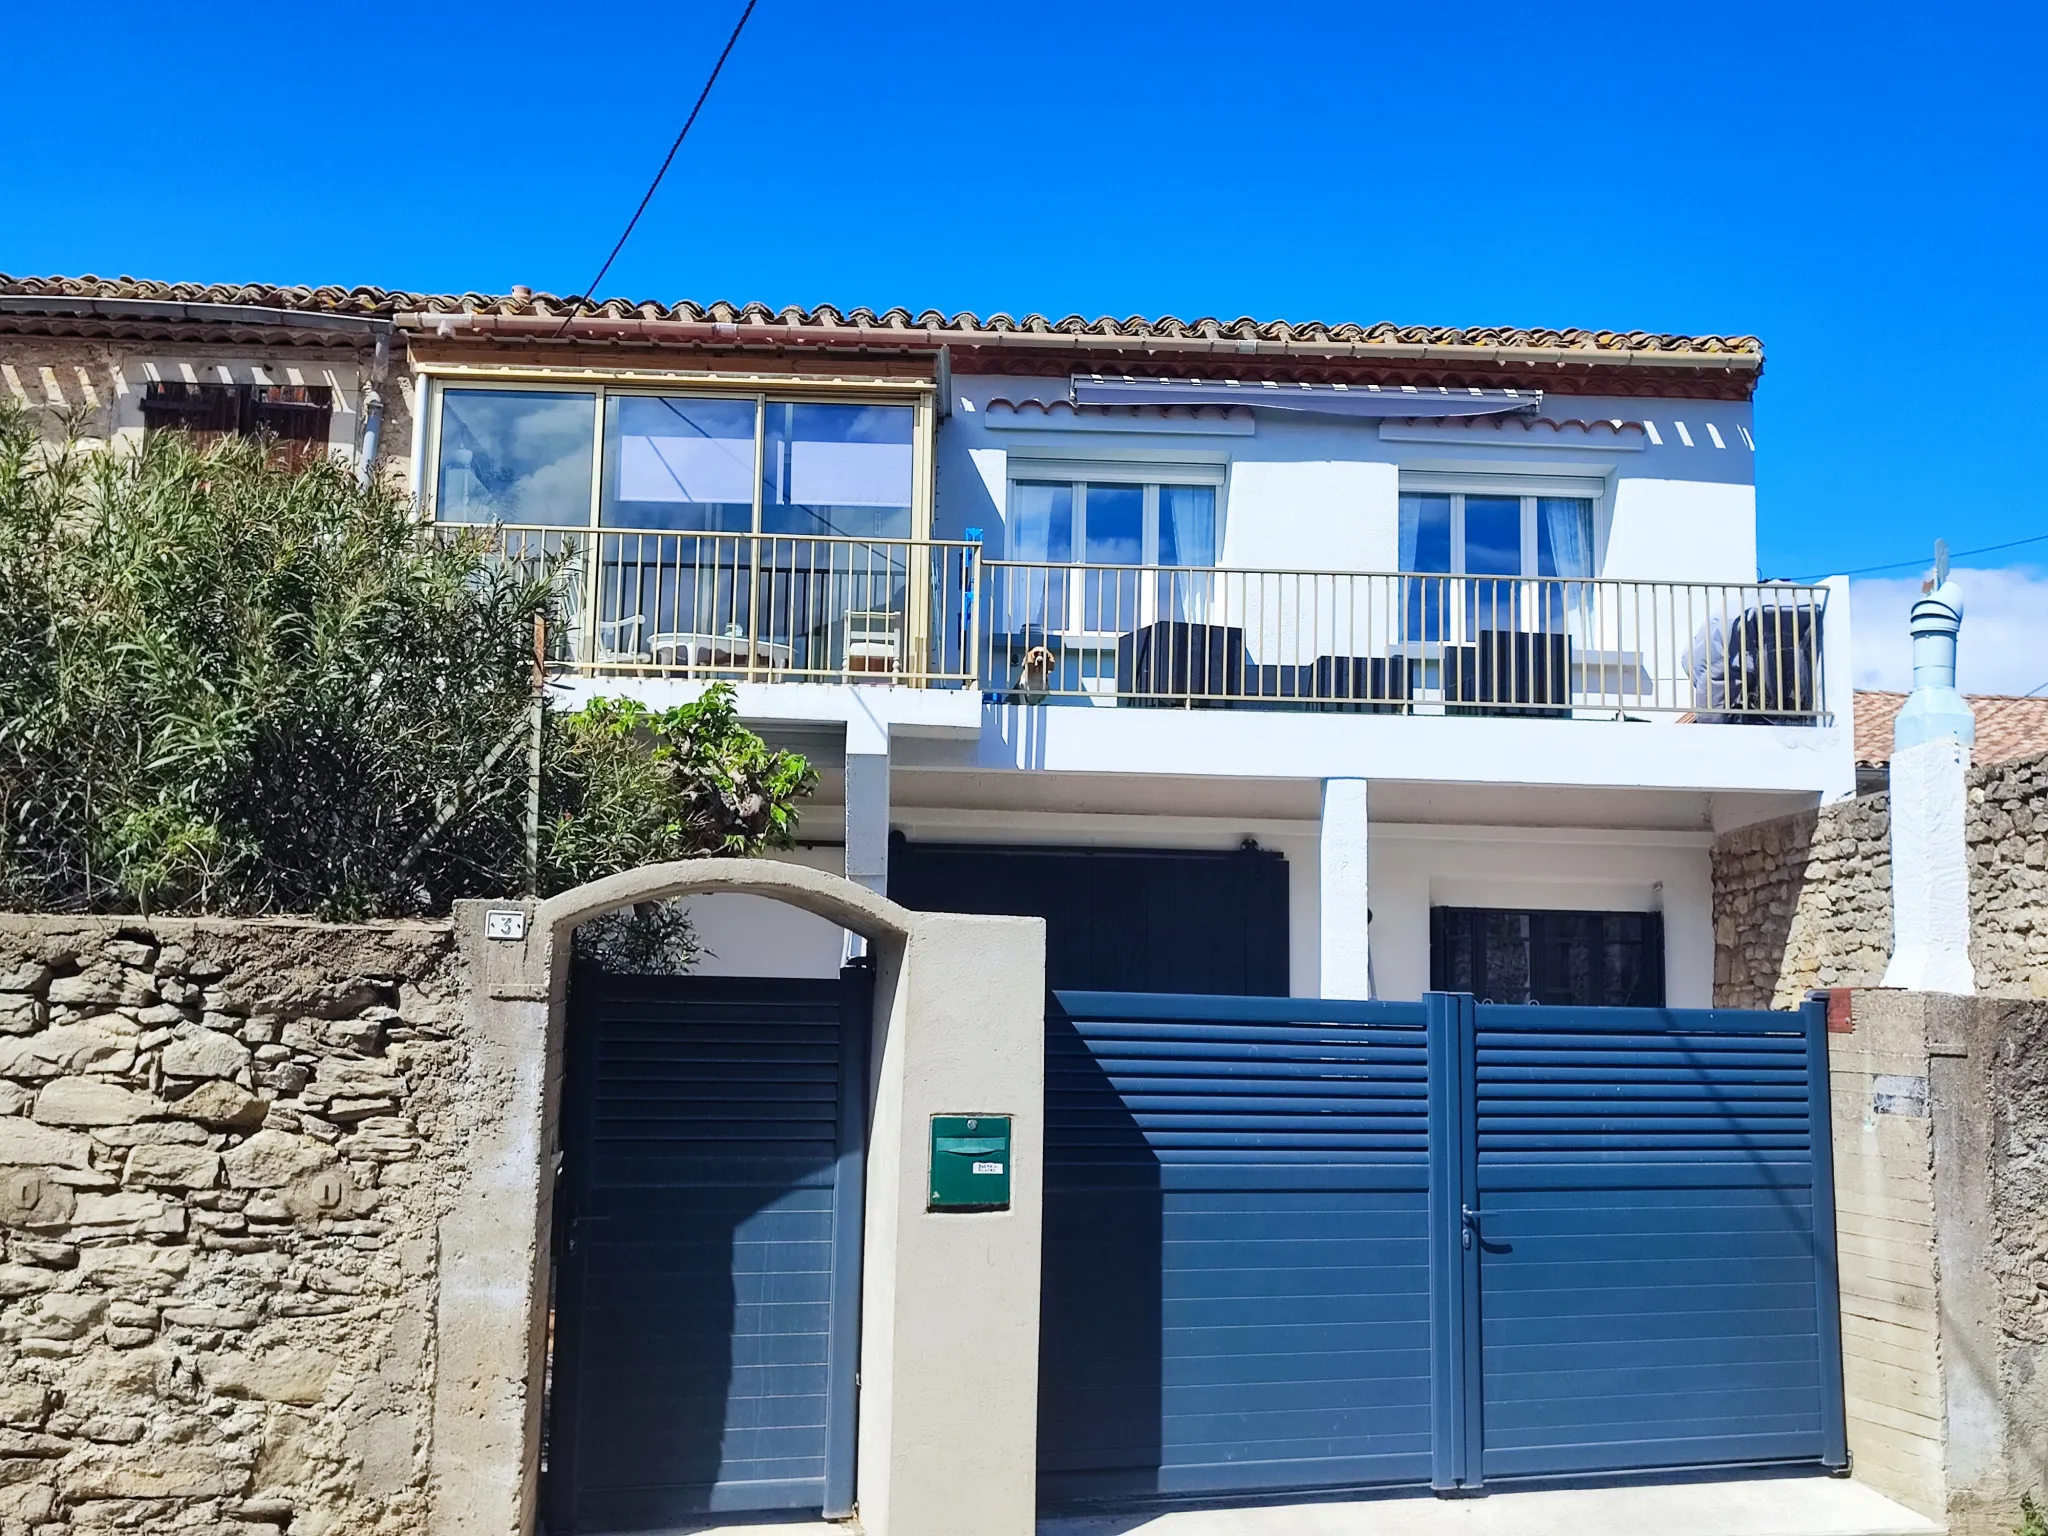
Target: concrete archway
{"points": [[958, 1027], [875, 918]]}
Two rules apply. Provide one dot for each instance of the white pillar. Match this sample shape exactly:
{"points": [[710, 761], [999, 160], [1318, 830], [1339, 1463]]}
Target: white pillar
{"points": [[1838, 687], [1931, 738], [1930, 870], [867, 812], [1344, 960]]}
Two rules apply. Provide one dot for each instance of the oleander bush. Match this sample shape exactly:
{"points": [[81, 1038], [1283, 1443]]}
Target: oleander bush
{"points": [[229, 685]]}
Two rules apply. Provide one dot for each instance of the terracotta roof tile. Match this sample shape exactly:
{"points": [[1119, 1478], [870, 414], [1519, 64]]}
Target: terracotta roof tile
{"points": [[1313, 333], [2008, 726]]}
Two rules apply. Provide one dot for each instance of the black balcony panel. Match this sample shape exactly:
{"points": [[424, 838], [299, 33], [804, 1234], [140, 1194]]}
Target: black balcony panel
{"points": [[1507, 672]]}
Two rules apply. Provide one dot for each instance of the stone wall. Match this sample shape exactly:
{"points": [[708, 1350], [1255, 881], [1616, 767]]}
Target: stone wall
{"points": [[68, 385], [88, 386], [2008, 837], [224, 1150], [1805, 901], [1802, 902], [2010, 1050]]}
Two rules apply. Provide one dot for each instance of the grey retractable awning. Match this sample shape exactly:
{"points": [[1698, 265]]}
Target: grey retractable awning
{"points": [[1364, 400]]}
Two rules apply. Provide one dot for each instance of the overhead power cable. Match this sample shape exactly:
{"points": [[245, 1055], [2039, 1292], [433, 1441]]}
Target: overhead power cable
{"points": [[710, 80], [1901, 565]]}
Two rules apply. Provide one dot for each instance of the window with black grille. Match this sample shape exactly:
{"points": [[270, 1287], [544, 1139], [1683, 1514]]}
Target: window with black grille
{"points": [[294, 418], [1587, 959]]}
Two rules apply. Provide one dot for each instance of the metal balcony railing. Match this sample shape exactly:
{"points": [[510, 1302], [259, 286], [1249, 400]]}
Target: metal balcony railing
{"points": [[934, 613], [755, 607], [1402, 642]]}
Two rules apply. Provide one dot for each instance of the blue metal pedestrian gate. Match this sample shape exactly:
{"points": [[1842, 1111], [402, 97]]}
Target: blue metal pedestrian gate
{"points": [[1297, 1244], [708, 1250]]}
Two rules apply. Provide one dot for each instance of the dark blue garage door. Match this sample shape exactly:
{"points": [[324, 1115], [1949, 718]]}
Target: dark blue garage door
{"points": [[1236, 1247], [708, 1250], [1120, 919], [1652, 1210], [1293, 1244]]}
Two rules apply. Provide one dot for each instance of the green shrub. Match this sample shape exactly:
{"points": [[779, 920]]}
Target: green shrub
{"points": [[234, 687]]}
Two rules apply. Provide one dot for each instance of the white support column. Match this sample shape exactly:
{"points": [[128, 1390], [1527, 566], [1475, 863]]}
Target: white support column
{"points": [[867, 811], [1930, 870], [1838, 686], [1931, 739], [1344, 959]]}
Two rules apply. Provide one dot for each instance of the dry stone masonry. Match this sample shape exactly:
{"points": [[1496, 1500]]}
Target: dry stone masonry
{"points": [[224, 1149], [2008, 841], [1805, 901]]}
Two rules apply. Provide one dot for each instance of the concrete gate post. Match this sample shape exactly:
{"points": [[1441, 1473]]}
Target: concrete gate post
{"points": [[949, 1340]]}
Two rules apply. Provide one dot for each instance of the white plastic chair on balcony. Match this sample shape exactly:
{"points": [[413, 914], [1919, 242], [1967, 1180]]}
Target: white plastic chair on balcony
{"points": [[871, 642], [610, 642], [618, 641]]}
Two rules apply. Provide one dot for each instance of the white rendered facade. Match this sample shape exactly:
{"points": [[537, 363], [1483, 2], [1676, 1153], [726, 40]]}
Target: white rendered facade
{"points": [[1395, 814], [1582, 813]]}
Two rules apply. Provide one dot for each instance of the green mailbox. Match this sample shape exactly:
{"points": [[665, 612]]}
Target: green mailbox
{"points": [[970, 1163]]}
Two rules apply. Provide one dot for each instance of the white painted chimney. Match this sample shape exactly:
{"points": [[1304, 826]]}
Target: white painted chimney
{"points": [[1931, 741]]}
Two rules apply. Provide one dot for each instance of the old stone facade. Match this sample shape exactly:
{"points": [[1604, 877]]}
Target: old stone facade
{"points": [[91, 391], [2008, 833], [1805, 901], [224, 1151]]}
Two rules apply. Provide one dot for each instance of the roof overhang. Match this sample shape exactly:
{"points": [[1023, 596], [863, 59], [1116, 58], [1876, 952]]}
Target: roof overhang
{"points": [[1560, 362]]}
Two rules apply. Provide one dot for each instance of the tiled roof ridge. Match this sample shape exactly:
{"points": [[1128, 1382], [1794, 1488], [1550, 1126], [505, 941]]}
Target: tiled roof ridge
{"points": [[1895, 693], [2009, 725], [382, 302]]}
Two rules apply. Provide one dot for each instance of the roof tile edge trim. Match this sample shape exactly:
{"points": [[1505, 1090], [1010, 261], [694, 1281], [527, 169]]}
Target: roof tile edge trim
{"points": [[1742, 351]]}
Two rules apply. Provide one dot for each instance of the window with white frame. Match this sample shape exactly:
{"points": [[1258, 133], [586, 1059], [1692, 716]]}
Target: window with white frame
{"points": [[1495, 539], [1100, 555], [1491, 533]]}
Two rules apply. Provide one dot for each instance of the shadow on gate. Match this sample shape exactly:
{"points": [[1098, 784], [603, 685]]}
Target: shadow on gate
{"points": [[692, 1369], [1101, 1396]]}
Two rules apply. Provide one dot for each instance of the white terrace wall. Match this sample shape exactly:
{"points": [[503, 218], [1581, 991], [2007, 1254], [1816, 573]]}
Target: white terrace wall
{"points": [[224, 1151]]}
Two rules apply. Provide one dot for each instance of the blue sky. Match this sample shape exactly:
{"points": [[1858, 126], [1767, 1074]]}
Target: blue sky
{"points": [[1860, 186]]}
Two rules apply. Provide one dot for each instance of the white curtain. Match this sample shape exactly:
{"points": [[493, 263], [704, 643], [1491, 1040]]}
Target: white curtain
{"points": [[1565, 548], [1568, 521], [1187, 537], [1425, 547], [1039, 533], [1041, 522]]}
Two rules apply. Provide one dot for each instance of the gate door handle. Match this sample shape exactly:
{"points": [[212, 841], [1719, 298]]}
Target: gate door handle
{"points": [[1469, 1220]]}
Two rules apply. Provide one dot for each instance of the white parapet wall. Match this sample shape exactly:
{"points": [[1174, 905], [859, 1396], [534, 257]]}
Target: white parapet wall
{"points": [[1930, 870]]}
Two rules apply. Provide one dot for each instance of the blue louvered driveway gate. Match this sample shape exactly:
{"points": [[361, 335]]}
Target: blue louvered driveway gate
{"points": [[1296, 1244], [708, 1250]]}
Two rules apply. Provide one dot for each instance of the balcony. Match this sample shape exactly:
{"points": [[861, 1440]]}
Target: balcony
{"points": [[770, 608], [1402, 643], [763, 608]]}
